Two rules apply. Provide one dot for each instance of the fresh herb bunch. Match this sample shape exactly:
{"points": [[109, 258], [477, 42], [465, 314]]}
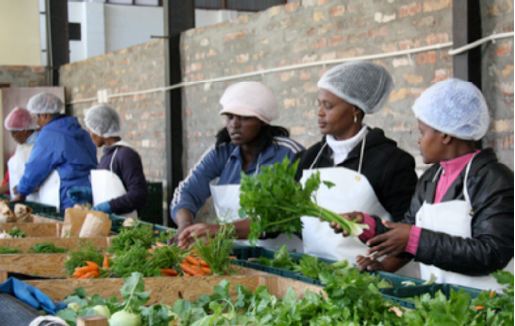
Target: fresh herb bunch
{"points": [[274, 201], [216, 249], [259, 307], [169, 256], [131, 260], [9, 250], [46, 248], [78, 258], [488, 308], [140, 234], [281, 259], [16, 233]]}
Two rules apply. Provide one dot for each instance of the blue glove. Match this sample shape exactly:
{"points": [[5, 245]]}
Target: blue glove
{"points": [[103, 207], [30, 295], [80, 195]]}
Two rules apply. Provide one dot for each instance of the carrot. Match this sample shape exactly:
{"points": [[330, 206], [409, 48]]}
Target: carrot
{"points": [[169, 272], [196, 261], [206, 270], [92, 274], [492, 294], [105, 263], [81, 270], [478, 308], [191, 270]]}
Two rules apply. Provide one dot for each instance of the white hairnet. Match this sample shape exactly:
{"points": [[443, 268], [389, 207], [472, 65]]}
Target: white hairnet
{"points": [[103, 121], [20, 119], [45, 103], [250, 99], [454, 107], [360, 83]]}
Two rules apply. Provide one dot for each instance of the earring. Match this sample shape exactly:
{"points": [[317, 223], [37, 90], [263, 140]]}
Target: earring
{"points": [[355, 119]]}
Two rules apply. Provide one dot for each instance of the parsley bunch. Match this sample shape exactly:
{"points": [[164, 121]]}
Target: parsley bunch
{"points": [[274, 201]]}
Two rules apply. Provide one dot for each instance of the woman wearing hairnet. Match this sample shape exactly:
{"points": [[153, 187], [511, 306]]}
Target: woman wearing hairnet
{"points": [[62, 156], [247, 142], [22, 126], [460, 222], [118, 185], [369, 171]]}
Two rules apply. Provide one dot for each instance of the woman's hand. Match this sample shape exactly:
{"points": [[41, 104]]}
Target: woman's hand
{"points": [[390, 243], [190, 234], [352, 216], [369, 264]]}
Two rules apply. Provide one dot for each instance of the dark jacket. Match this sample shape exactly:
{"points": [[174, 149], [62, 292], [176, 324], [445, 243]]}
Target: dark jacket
{"points": [[127, 166], [490, 187], [390, 170]]}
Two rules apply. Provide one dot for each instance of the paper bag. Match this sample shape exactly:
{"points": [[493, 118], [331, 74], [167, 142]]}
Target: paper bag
{"points": [[96, 224]]}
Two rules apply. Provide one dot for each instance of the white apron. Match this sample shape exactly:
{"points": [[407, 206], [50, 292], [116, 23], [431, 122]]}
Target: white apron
{"points": [[351, 192], [106, 185], [226, 200], [50, 191], [16, 168], [454, 218]]}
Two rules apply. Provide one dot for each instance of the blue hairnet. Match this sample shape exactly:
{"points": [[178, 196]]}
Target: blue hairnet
{"points": [[454, 107], [103, 120], [45, 103], [360, 83]]}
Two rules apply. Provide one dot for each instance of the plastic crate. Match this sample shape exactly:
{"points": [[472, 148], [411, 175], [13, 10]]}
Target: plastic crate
{"points": [[152, 212], [405, 296], [245, 254], [117, 224], [42, 209]]}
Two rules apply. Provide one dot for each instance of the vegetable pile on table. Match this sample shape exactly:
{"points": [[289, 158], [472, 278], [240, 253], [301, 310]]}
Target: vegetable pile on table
{"points": [[350, 298], [274, 201], [136, 249]]}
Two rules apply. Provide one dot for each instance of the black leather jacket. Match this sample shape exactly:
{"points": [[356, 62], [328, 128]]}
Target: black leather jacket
{"points": [[490, 187], [389, 169]]}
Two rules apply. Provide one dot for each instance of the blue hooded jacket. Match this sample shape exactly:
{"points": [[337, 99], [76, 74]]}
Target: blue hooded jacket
{"points": [[64, 146]]}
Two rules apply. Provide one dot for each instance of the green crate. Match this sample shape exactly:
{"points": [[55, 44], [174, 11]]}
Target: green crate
{"points": [[245, 254], [405, 296], [117, 224]]}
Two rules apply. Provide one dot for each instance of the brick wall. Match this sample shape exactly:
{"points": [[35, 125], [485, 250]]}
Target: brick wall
{"points": [[23, 76], [314, 30], [308, 32], [497, 73], [136, 68]]}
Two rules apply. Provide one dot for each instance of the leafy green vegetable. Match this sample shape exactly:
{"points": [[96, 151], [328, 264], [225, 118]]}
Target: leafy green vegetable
{"points": [[132, 260], [78, 258], [165, 257], [46, 247], [274, 201], [141, 235], [216, 249], [281, 259], [9, 250], [129, 312], [15, 232]]}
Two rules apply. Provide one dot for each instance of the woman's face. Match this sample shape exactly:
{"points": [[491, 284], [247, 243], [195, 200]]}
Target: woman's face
{"points": [[21, 136], [335, 116], [242, 130], [430, 143], [99, 141]]}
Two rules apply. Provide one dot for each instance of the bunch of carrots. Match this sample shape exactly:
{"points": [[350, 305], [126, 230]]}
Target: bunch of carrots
{"points": [[91, 270], [194, 266], [190, 266]]}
